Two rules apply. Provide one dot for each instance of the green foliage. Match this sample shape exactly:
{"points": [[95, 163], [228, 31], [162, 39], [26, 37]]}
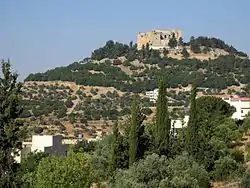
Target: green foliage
{"points": [[212, 115], [114, 147], [192, 139], [227, 168], [216, 43], [127, 63], [173, 42], [29, 167], [71, 171], [136, 120], [68, 103], [246, 124], [185, 53], [245, 182], [111, 50], [155, 171], [11, 132], [220, 73], [147, 111], [163, 123]]}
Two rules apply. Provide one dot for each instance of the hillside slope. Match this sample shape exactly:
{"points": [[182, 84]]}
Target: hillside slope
{"points": [[87, 96]]}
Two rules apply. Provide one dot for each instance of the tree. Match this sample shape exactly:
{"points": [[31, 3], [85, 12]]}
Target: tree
{"points": [[172, 41], [185, 53], [227, 168], [163, 123], [136, 120], [70, 171], [246, 125], [114, 148], [212, 111], [11, 133], [165, 52], [245, 183], [180, 42], [158, 171], [193, 125], [29, 167]]}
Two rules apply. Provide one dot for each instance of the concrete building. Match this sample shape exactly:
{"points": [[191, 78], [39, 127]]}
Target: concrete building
{"points": [[51, 144], [157, 39], [152, 95], [241, 104], [180, 123]]}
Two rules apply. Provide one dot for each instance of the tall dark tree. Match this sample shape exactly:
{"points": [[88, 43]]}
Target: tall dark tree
{"points": [[165, 52], [185, 53], [136, 120], [114, 148], [163, 122], [180, 42], [147, 51], [192, 140], [11, 133], [173, 41]]}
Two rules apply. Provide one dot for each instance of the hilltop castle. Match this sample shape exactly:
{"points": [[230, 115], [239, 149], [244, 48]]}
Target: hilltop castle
{"points": [[157, 39]]}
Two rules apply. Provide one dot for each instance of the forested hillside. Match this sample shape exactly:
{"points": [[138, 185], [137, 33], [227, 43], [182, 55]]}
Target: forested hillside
{"points": [[98, 90], [129, 70]]}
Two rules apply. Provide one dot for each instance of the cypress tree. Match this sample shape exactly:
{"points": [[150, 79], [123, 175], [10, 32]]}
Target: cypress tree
{"points": [[11, 132], [136, 120], [192, 136], [114, 148], [163, 122]]}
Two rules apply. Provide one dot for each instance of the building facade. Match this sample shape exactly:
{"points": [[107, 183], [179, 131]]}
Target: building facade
{"points": [[152, 95], [157, 39], [241, 104], [50, 144]]}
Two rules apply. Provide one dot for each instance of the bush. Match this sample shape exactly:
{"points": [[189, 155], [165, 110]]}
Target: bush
{"points": [[127, 63], [147, 111], [117, 62], [237, 155], [226, 168], [38, 130], [68, 103], [246, 179]]}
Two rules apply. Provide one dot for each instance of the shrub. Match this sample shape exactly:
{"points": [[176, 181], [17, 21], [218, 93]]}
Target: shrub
{"points": [[38, 130], [127, 63], [226, 168], [117, 62], [68, 103], [147, 111]]}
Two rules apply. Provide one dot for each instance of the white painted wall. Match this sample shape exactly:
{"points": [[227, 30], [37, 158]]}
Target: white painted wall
{"points": [[179, 123], [242, 106], [39, 142]]}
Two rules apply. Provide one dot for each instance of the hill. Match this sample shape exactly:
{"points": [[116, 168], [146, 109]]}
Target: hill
{"points": [[87, 96]]}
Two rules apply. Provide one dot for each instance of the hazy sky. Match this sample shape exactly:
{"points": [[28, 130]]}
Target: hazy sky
{"points": [[38, 35]]}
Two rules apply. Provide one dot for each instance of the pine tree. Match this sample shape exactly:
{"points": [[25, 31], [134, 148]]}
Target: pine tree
{"points": [[163, 123], [11, 133], [136, 120], [192, 139], [185, 53], [173, 41], [114, 148]]}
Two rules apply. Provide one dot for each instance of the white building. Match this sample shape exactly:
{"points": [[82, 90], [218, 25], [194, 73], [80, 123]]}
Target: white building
{"points": [[51, 144], [242, 105], [152, 95], [180, 123]]}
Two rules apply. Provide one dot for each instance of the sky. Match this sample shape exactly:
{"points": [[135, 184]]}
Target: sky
{"points": [[37, 35]]}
